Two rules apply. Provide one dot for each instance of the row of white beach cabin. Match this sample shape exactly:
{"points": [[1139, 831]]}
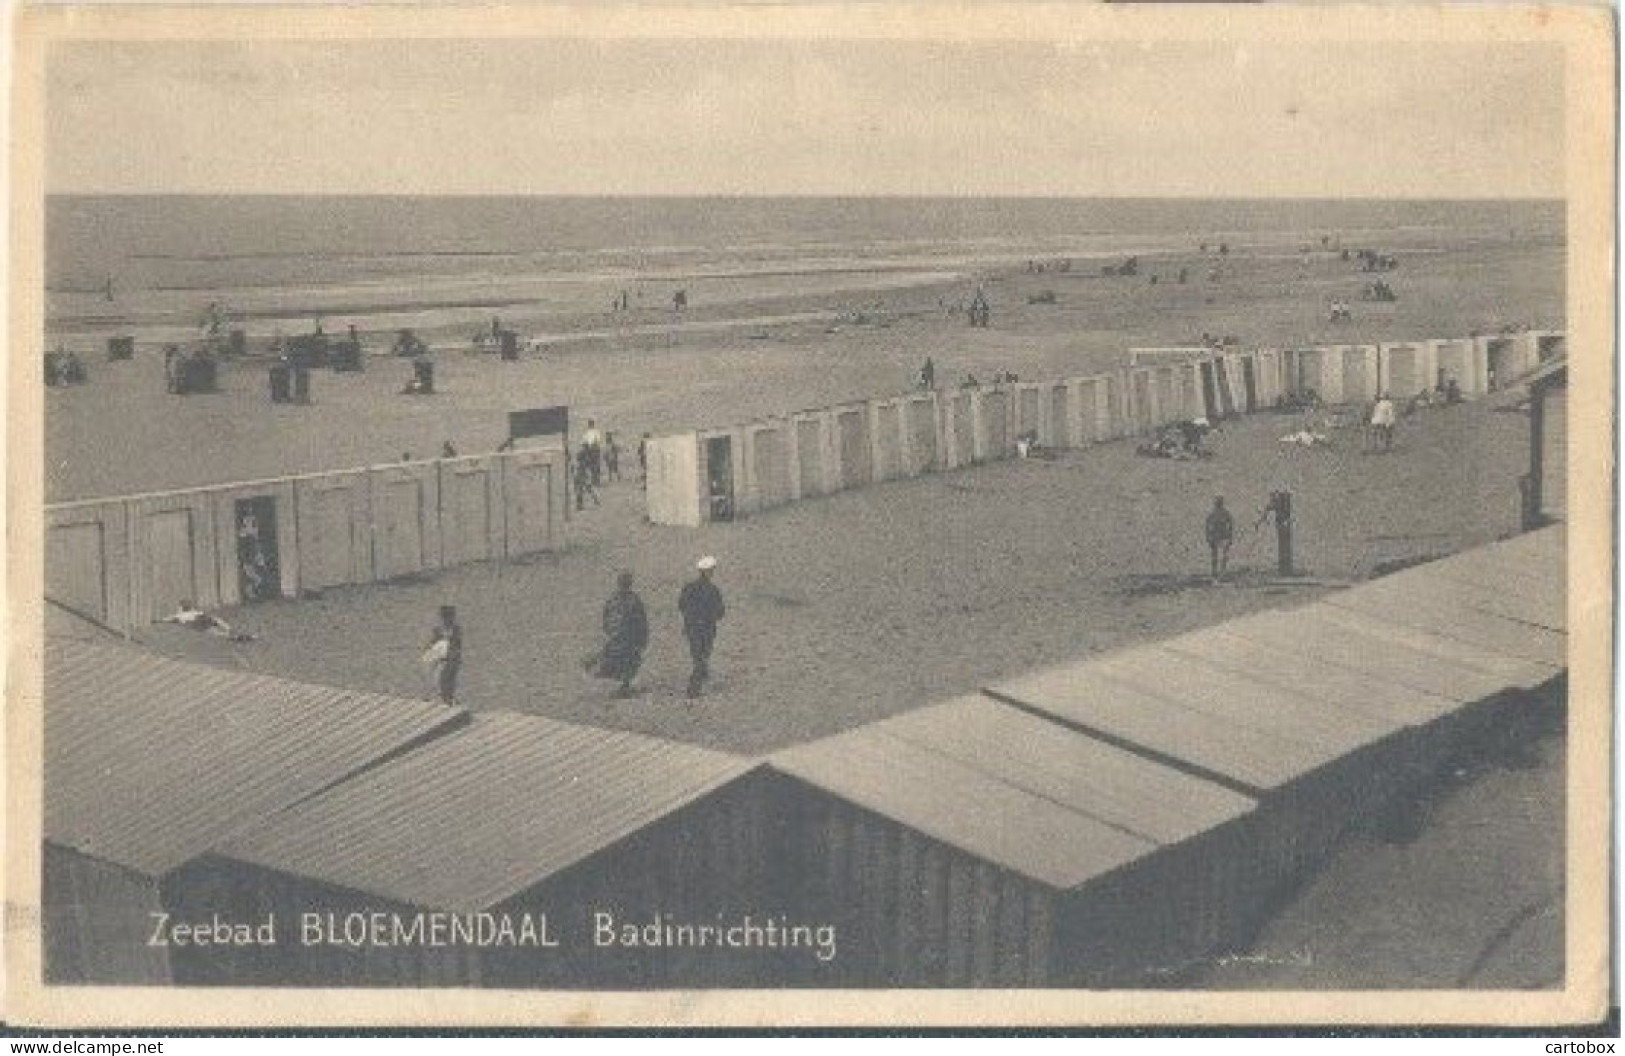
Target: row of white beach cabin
{"points": [[126, 561], [732, 471]]}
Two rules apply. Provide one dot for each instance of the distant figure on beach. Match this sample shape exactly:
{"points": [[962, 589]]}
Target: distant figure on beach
{"points": [[979, 311], [444, 656], [1382, 422], [585, 486], [626, 629], [592, 441], [928, 374], [679, 300], [172, 368], [643, 459], [1027, 446], [447, 451], [1219, 529], [408, 343], [1191, 434], [700, 602], [612, 457], [422, 381]]}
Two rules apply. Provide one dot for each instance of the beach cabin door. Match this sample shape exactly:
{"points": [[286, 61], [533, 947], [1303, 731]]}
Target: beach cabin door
{"points": [[1503, 360], [170, 573], [1210, 393], [720, 470]]}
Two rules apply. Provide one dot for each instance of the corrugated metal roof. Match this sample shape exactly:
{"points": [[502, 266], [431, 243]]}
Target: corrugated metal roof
{"points": [[963, 807], [485, 812], [1110, 784], [150, 762]]}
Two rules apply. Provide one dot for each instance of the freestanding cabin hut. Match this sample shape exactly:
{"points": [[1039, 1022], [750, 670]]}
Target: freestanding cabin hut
{"points": [[975, 844], [527, 846], [150, 763]]}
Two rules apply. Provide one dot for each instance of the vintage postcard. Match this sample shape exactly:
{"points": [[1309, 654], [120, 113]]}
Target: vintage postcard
{"points": [[812, 514]]}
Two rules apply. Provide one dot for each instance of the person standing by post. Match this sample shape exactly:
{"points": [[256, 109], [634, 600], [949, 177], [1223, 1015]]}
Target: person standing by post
{"points": [[445, 654], [626, 627], [1220, 530], [700, 602]]}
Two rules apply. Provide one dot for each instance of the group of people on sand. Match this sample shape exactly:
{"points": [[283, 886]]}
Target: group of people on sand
{"points": [[626, 630], [625, 626], [1182, 440], [598, 461]]}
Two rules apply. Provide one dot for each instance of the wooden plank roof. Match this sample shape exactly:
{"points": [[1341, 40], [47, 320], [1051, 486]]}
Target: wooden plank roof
{"points": [[150, 762], [485, 812]]}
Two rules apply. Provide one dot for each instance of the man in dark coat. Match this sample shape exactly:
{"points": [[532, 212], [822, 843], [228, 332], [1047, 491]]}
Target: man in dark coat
{"points": [[701, 605], [626, 626]]}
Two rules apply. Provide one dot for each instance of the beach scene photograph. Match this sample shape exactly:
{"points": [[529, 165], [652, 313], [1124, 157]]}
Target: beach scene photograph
{"points": [[806, 511]]}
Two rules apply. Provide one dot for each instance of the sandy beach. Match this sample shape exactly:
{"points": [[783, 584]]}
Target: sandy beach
{"points": [[750, 346], [866, 603]]}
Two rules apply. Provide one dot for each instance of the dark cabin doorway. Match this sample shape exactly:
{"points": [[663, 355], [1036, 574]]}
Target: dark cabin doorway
{"points": [[720, 474], [259, 569]]}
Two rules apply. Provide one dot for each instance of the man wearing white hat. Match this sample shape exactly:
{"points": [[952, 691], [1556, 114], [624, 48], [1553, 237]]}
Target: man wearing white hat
{"points": [[701, 605]]}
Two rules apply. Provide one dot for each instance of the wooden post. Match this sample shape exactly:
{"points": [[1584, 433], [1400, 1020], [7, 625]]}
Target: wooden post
{"points": [[1533, 499], [1281, 508]]}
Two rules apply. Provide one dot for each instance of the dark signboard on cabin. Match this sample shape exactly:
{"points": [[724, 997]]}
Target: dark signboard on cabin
{"points": [[539, 421]]}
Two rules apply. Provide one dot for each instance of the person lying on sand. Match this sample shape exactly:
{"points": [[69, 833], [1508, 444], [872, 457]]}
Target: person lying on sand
{"points": [[1305, 438], [189, 615], [1027, 446]]}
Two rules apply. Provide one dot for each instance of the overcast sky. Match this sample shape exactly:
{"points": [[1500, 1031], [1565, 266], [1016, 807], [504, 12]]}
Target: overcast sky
{"points": [[804, 117]]}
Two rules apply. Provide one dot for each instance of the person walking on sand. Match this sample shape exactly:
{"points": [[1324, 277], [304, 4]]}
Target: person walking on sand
{"points": [[612, 457], [444, 656], [1220, 529], [626, 628], [700, 602], [1382, 421], [584, 484]]}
